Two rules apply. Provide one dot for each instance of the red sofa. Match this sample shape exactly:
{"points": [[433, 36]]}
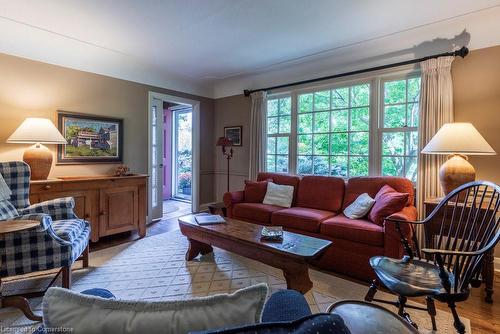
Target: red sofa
{"points": [[316, 210]]}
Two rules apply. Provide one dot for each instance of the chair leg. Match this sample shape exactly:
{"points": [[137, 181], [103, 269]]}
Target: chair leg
{"points": [[431, 308], [459, 326], [85, 257], [402, 313], [66, 277], [372, 291]]}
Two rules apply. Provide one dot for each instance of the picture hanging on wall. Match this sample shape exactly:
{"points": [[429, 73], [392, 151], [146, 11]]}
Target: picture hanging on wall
{"points": [[91, 139], [234, 133]]}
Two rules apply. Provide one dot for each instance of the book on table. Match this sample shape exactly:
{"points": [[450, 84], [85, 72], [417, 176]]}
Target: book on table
{"points": [[208, 219]]}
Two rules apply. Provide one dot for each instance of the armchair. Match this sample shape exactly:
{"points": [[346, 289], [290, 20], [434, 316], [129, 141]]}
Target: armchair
{"points": [[457, 234], [57, 242]]}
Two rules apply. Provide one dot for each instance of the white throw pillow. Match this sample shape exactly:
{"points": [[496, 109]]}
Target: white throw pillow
{"points": [[360, 207], [86, 314], [279, 195]]}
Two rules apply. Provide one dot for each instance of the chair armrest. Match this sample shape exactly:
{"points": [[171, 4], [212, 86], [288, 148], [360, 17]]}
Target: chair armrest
{"points": [[231, 198], [432, 251], [393, 245], [58, 209], [44, 220]]}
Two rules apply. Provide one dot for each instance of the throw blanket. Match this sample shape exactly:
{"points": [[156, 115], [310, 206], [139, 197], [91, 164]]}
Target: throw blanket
{"points": [[5, 191]]}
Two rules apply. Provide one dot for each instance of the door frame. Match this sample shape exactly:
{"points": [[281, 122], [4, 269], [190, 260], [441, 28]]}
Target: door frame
{"points": [[174, 142], [195, 105]]}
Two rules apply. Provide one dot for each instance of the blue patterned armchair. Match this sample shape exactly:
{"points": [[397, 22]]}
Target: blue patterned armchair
{"points": [[59, 240]]}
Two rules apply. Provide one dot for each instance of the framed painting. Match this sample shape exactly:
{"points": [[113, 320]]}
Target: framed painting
{"points": [[91, 139], [234, 133]]}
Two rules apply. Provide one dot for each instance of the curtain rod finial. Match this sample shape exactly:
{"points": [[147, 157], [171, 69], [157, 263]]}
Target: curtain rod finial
{"points": [[247, 92], [464, 51]]}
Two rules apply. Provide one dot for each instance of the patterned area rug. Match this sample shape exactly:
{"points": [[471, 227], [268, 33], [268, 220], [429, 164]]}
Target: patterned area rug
{"points": [[154, 269]]}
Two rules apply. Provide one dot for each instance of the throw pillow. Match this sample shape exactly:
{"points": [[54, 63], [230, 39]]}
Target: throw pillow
{"points": [[360, 207], [255, 191], [387, 202], [279, 195], [64, 308], [5, 191]]}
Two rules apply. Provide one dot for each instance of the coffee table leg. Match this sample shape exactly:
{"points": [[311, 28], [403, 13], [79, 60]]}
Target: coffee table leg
{"points": [[298, 279], [196, 248]]}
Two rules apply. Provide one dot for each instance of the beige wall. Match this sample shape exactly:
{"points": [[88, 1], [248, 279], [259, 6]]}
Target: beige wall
{"points": [[231, 111], [30, 88]]}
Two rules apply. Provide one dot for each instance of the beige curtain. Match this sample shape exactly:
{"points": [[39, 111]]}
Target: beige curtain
{"points": [[436, 109], [257, 133]]}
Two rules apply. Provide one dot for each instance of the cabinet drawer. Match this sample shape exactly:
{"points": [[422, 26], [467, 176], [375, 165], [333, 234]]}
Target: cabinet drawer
{"points": [[37, 188]]}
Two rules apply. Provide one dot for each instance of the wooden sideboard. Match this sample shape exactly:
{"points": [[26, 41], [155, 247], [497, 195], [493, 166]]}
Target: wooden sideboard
{"points": [[111, 204]]}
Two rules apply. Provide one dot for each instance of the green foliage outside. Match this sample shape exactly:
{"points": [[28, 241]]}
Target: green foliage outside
{"points": [[86, 151]]}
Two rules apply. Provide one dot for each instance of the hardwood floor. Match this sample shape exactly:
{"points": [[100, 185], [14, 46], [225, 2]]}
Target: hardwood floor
{"points": [[485, 318]]}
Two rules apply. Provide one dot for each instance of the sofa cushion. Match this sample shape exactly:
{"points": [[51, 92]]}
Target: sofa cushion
{"points": [[284, 179], [387, 202], [371, 185], [300, 218], [321, 192], [357, 230], [255, 191], [256, 212]]}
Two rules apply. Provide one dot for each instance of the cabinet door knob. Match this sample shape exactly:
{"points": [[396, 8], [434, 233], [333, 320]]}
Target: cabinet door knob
{"points": [[101, 213], [46, 187]]}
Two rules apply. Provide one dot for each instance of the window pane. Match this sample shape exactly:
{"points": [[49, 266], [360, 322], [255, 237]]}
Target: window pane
{"points": [[322, 122], [360, 95], [304, 123], [358, 166], [320, 165], [285, 124], [285, 106], [321, 145], [395, 91], [282, 163], [340, 98], [411, 169], [411, 143], [358, 143], [360, 119], [271, 163], [413, 114], [393, 143], [282, 145], [272, 107], [340, 120], [413, 89], [339, 166], [392, 166], [394, 116], [272, 125], [304, 164], [271, 145], [339, 143], [322, 100], [304, 144], [305, 102]]}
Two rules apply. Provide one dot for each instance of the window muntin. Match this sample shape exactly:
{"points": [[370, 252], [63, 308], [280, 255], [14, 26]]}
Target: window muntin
{"points": [[279, 124]]}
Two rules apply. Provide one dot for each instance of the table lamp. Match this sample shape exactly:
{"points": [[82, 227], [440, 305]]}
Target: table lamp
{"points": [[224, 142], [457, 140], [37, 131]]}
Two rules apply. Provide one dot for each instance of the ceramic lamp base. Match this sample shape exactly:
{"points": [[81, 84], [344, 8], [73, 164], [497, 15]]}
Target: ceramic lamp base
{"points": [[39, 158], [455, 172]]}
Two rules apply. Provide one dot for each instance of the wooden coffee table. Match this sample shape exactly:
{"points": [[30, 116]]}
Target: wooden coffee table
{"points": [[290, 255]]}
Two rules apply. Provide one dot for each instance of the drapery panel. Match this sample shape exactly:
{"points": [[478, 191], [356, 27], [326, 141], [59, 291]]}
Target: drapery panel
{"points": [[257, 134]]}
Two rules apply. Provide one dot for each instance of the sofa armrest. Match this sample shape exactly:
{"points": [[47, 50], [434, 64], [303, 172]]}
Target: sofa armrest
{"points": [[231, 198], [392, 239]]}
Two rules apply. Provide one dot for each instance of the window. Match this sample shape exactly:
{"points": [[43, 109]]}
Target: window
{"points": [[279, 123], [399, 129], [333, 131]]}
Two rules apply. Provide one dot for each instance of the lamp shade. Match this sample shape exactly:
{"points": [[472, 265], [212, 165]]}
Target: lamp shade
{"points": [[223, 141], [458, 138], [37, 130]]}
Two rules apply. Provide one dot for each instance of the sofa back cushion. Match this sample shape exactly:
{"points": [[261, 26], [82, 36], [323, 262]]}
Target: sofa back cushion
{"points": [[284, 179], [321, 192], [372, 184]]}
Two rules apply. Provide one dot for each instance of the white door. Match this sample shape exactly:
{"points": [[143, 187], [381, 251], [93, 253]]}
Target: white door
{"points": [[156, 158]]}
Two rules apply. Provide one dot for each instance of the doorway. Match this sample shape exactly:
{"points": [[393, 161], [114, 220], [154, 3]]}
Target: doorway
{"points": [[173, 155]]}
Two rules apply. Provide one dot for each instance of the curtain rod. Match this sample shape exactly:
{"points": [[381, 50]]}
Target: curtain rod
{"points": [[462, 52]]}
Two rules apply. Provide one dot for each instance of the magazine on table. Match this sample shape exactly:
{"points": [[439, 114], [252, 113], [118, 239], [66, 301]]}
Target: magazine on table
{"points": [[208, 219]]}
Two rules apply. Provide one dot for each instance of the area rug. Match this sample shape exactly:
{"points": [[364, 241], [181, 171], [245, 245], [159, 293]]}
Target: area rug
{"points": [[154, 269]]}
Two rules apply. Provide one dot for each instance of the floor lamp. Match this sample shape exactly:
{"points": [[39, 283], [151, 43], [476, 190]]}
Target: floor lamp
{"points": [[225, 142]]}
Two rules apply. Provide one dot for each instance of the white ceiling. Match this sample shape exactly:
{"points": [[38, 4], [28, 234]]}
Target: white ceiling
{"points": [[191, 44]]}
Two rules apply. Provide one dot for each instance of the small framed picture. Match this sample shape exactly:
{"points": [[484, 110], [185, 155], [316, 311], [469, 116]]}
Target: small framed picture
{"points": [[233, 133]]}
